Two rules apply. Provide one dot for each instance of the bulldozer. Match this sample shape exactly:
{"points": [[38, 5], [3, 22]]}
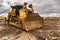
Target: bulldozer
{"points": [[22, 18]]}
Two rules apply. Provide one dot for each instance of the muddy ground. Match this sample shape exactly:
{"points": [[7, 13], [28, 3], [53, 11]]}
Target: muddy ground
{"points": [[51, 31]]}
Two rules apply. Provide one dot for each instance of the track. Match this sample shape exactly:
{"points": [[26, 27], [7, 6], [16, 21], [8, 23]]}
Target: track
{"points": [[50, 31]]}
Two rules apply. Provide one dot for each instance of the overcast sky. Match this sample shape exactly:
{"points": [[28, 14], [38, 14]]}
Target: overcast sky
{"points": [[46, 8]]}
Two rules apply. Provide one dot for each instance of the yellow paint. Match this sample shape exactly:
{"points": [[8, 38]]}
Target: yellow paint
{"points": [[13, 13], [22, 14]]}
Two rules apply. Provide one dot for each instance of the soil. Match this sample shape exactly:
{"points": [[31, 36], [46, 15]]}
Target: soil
{"points": [[50, 31]]}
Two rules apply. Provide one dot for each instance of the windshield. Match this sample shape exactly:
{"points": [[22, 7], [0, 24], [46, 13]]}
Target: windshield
{"points": [[18, 7]]}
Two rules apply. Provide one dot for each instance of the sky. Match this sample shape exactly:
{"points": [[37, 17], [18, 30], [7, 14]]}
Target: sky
{"points": [[45, 8]]}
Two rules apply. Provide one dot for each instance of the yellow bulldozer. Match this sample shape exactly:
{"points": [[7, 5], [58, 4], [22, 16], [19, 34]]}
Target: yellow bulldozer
{"points": [[24, 18]]}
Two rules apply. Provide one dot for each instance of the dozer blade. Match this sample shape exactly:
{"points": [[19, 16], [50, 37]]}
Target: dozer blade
{"points": [[33, 21]]}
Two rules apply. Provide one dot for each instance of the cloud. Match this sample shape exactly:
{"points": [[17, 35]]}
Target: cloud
{"points": [[45, 8]]}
